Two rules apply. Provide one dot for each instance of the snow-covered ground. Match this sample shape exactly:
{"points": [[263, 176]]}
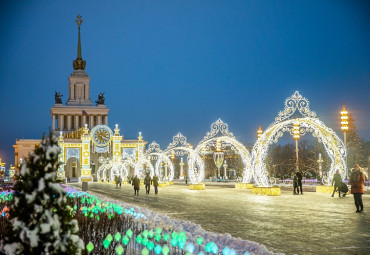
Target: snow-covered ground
{"points": [[306, 224], [192, 230]]}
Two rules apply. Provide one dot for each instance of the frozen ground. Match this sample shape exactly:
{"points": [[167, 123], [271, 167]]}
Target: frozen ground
{"points": [[306, 224]]}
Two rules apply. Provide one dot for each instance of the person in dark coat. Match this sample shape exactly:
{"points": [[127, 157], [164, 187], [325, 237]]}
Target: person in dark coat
{"points": [[136, 184], [357, 181], [337, 182], [295, 184], [147, 182], [299, 178], [155, 183]]}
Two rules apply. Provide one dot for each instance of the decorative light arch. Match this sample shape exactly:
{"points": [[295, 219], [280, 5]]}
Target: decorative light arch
{"points": [[219, 132], [114, 169], [154, 152], [308, 122], [142, 160]]}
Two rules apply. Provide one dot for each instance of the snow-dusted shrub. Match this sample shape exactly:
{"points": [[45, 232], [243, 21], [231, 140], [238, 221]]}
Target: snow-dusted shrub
{"points": [[40, 222]]}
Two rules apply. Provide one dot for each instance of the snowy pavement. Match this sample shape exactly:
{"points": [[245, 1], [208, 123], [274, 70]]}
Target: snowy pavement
{"points": [[306, 224]]}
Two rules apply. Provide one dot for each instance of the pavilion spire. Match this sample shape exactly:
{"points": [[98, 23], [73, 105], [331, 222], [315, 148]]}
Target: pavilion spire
{"points": [[79, 63]]}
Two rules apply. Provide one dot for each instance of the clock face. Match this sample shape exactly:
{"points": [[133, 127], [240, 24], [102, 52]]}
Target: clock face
{"points": [[101, 136]]}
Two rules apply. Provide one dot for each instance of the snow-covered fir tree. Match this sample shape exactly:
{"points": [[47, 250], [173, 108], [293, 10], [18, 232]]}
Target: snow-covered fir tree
{"points": [[40, 221]]}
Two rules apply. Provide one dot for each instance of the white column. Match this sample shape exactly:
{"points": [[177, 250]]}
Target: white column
{"points": [[69, 122], [106, 120], [77, 120], [83, 120], [99, 119], [61, 122], [72, 91], [91, 121], [53, 120]]}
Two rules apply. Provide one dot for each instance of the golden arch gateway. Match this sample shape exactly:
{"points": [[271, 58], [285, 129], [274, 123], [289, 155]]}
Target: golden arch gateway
{"points": [[308, 122]]}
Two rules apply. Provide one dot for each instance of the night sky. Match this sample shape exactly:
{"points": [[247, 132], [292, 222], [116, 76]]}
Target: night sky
{"points": [[178, 66]]}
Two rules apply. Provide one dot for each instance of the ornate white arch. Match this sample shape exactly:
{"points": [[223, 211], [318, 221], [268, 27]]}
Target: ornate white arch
{"points": [[308, 123], [219, 132], [155, 153], [142, 160], [114, 169]]}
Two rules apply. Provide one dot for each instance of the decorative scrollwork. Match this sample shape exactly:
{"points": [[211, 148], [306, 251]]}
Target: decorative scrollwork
{"points": [[218, 127], [294, 103], [154, 147], [178, 141]]}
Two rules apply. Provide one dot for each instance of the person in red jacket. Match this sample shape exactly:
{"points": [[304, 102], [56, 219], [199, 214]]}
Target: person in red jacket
{"points": [[357, 181]]}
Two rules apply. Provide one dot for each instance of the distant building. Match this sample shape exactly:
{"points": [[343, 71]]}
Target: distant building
{"points": [[84, 135]]}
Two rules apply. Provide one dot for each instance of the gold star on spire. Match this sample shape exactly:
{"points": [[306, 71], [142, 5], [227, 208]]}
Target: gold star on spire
{"points": [[79, 20]]}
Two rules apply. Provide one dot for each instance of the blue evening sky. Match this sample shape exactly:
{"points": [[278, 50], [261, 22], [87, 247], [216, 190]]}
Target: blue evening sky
{"points": [[170, 66]]}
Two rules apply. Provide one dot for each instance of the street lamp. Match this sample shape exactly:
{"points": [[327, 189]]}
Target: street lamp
{"points": [[225, 169], [344, 127], [259, 132], [182, 169], [344, 122], [296, 137], [320, 161], [218, 157]]}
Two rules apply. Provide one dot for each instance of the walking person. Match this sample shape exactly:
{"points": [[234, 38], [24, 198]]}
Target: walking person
{"points": [[155, 183], [337, 182], [147, 181], [295, 184], [357, 181], [136, 184], [299, 177]]}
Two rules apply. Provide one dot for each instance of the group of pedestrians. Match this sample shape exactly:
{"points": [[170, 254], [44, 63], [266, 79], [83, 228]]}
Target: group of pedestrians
{"points": [[356, 180], [147, 182]]}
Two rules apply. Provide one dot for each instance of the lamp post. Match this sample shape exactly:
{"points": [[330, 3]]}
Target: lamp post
{"points": [[320, 161], [182, 169], [344, 127], [225, 169], [344, 123], [296, 138], [218, 157], [259, 132]]}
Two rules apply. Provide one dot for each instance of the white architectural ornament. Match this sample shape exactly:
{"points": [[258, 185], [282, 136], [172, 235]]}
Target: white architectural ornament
{"points": [[218, 128], [73, 153]]}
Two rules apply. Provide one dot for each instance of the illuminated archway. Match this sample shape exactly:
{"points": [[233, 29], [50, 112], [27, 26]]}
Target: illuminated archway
{"points": [[308, 122], [109, 169], [142, 161], [219, 134], [155, 153]]}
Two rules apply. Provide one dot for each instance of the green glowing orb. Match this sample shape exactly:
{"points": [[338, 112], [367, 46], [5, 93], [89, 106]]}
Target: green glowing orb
{"points": [[106, 243], [165, 250], [117, 236], [129, 233], [125, 240], [145, 251], [90, 247], [150, 246], [139, 239], [166, 237], [199, 241], [119, 250]]}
